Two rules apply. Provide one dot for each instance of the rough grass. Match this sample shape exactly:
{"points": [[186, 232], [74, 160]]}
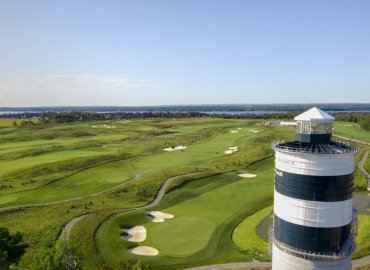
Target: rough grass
{"points": [[245, 237], [351, 130], [33, 158]]}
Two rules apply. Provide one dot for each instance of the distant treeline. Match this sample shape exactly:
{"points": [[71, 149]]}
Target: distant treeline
{"points": [[71, 117], [330, 107], [363, 119]]}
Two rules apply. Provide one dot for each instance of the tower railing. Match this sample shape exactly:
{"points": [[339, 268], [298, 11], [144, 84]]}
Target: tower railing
{"points": [[345, 251], [282, 146]]}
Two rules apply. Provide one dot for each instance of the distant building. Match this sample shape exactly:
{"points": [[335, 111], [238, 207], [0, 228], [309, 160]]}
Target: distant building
{"points": [[314, 222], [285, 123]]}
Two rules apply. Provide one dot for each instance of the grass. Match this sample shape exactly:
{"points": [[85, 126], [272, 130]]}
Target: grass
{"points": [[351, 130], [203, 210], [245, 236], [363, 238], [55, 162]]}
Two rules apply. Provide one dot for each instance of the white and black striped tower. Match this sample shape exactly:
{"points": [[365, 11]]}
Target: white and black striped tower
{"points": [[313, 212]]}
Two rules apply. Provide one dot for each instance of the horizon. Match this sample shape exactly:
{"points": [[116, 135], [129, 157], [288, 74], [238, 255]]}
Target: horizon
{"points": [[165, 53]]}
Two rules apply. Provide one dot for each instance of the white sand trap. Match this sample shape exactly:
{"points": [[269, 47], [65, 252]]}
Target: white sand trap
{"points": [[253, 130], [144, 250], [179, 147], [157, 216], [348, 125], [247, 175], [234, 131], [135, 234], [231, 150]]}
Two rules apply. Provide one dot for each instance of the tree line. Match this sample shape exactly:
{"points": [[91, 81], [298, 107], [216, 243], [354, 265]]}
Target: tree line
{"points": [[361, 118]]}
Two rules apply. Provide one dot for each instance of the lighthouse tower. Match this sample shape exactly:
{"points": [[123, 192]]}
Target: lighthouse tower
{"points": [[313, 215]]}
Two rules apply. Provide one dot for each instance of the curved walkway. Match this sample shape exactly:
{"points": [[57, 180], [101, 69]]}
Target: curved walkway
{"points": [[361, 168], [264, 265], [69, 225]]}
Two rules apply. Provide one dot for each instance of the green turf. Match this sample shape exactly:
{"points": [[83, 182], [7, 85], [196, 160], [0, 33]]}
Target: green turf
{"points": [[199, 210], [45, 163], [244, 235], [351, 130]]}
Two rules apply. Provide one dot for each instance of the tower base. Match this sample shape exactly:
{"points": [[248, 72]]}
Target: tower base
{"points": [[286, 261]]}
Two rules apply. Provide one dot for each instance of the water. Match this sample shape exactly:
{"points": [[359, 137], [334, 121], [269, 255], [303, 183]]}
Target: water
{"points": [[172, 111]]}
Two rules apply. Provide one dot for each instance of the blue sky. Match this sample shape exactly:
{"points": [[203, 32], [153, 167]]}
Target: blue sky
{"points": [[76, 52]]}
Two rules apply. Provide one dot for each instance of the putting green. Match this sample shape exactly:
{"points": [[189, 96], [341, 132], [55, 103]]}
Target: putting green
{"points": [[187, 235], [204, 211]]}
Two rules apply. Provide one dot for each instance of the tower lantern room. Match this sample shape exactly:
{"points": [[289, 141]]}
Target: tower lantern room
{"points": [[314, 125]]}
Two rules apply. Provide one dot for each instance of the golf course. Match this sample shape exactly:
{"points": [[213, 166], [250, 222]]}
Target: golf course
{"points": [[168, 193]]}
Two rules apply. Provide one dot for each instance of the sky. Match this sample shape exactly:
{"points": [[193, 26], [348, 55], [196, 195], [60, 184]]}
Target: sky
{"points": [[135, 53]]}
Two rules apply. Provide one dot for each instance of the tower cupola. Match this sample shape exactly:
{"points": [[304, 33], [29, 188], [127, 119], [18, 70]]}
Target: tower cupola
{"points": [[314, 126]]}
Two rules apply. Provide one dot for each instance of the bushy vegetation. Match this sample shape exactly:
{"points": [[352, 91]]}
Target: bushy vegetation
{"points": [[11, 248]]}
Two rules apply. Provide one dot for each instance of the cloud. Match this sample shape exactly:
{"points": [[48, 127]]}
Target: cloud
{"points": [[98, 81], [62, 89]]}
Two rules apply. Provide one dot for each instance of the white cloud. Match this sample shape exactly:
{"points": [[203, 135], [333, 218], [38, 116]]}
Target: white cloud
{"points": [[61, 89]]}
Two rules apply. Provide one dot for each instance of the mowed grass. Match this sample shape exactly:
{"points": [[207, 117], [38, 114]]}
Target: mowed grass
{"points": [[244, 235], [204, 211], [105, 176], [363, 238], [351, 130]]}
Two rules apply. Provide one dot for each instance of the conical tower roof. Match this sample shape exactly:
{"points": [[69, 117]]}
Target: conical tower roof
{"points": [[315, 115]]}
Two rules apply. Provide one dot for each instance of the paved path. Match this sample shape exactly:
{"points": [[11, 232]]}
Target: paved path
{"points": [[360, 166], [350, 139], [264, 265], [68, 227]]}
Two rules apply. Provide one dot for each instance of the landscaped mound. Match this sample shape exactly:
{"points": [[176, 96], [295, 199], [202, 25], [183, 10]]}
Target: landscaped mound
{"points": [[157, 216]]}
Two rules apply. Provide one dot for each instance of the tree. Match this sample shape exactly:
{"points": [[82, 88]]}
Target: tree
{"points": [[11, 248], [58, 257]]}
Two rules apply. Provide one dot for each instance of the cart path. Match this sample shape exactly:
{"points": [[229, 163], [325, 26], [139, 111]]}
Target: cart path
{"points": [[69, 225], [360, 166], [265, 265], [350, 139]]}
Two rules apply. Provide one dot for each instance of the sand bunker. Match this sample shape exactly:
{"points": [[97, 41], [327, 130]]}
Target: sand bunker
{"points": [[104, 126], [135, 234], [247, 175], [144, 250], [348, 125], [253, 130], [174, 148], [231, 150], [234, 131], [157, 216]]}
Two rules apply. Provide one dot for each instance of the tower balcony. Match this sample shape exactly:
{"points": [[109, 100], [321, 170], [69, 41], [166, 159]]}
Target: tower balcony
{"points": [[333, 147], [345, 251]]}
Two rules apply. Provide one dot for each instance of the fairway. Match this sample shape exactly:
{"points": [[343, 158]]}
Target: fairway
{"points": [[222, 188], [201, 208]]}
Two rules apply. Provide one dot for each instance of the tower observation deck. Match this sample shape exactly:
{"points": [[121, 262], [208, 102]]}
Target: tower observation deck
{"points": [[313, 214]]}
